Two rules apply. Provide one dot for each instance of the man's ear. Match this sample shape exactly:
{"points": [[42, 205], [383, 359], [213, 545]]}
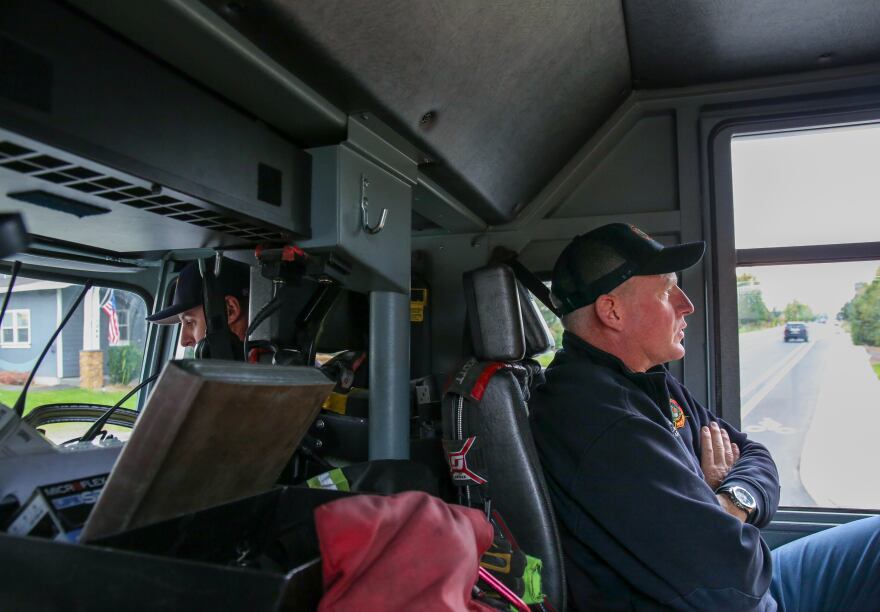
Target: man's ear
{"points": [[233, 310], [609, 311]]}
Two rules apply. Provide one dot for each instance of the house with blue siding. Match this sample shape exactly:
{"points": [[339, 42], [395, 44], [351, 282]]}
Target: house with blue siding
{"points": [[35, 310]]}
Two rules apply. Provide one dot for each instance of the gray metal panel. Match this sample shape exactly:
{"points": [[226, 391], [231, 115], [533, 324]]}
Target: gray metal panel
{"points": [[696, 279], [514, 89], [383, 257], [639, 175], [109, 102], [688, 42], [440, 209], [455, 254], [187, 35]]}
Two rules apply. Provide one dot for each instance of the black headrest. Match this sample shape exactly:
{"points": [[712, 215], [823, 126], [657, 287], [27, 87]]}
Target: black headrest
{"points": [[497, 308]]}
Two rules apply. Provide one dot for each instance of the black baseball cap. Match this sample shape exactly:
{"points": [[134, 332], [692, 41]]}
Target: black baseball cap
{"points": [[596, 262], [234, 280]]}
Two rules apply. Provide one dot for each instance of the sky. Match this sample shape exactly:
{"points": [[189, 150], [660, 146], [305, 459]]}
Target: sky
{"points": [[808, 187], [825, 288]]}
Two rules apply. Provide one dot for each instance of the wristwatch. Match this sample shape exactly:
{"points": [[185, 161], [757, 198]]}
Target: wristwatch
{"points": [[741, 498]]}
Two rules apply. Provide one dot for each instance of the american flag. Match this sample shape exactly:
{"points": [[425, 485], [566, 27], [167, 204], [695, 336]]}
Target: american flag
{"points": [[109, 307]]}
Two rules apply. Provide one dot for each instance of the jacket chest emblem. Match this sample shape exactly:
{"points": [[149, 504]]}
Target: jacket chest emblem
{"points": [[677, 414]]}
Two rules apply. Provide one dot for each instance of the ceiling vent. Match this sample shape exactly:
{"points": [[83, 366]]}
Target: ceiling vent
{"points": [[155, 200]]}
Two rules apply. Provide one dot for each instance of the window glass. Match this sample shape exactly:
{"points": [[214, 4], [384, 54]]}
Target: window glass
{"points": [[123, 326], [16, 329], [806, 187], [95, 360], [23, 326], [555, 326], [809, 344]]}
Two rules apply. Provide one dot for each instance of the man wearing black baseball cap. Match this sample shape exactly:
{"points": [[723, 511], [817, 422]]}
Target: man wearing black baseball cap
{"points": [[187, 306], [658, 501]]}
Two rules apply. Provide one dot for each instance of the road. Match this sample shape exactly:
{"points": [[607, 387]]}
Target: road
{"points": [[786, 388]]}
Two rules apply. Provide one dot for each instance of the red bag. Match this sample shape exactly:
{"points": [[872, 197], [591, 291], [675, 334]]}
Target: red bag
{"points": [[408, 551]]}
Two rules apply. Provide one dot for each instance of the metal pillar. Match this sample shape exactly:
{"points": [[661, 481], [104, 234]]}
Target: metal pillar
{"points": [[389, 375]]}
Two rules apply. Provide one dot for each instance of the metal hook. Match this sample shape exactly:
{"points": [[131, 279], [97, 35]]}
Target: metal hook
{"points": [[365, 215]]}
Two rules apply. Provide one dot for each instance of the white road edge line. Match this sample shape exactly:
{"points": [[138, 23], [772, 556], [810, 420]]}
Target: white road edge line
{"points": [[774, 377]]}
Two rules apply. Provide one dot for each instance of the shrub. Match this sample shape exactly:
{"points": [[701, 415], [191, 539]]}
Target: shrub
{"points": [[123, 363], [864, 315]]}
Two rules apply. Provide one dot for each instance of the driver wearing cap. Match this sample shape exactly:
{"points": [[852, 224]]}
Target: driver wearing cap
{"points": [[659, 502], [187, 307]]}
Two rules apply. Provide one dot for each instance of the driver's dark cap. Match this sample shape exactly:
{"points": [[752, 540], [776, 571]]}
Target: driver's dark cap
{"points": [[234, 280], [596, 262]]}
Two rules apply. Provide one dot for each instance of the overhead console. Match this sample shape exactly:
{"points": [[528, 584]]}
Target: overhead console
{"points": [[102, 144]]}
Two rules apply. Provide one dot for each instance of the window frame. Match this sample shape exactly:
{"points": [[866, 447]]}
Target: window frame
{"points": [[724, 356], [11, 318]]}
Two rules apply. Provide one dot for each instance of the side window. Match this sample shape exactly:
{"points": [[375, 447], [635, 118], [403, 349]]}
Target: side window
{"points": [[808, 308], [95, 360], [556, 330]]}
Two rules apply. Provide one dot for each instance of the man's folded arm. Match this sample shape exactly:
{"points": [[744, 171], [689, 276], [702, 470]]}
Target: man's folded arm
{"points": [[653, 518], [755, 470]]}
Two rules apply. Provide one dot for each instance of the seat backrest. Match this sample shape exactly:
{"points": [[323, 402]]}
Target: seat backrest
{"points": [[505, 328]]}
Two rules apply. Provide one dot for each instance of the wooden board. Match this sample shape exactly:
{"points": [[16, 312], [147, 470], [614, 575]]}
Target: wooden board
{"points": [[211, 432]]}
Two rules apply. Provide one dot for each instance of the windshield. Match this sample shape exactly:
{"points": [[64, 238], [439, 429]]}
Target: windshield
{"points": [[94, 361]]}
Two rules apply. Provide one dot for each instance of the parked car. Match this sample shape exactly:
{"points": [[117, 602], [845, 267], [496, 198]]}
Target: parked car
{"points": [[796, 331]]}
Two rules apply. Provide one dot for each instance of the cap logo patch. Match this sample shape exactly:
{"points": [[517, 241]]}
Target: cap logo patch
{"points": [[677, 414]]}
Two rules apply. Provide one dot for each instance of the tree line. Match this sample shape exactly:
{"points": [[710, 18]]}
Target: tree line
{"points": [[863, 313], [754, 313]]}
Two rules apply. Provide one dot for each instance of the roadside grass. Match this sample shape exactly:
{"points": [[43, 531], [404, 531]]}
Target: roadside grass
{"points": [[38, 397], [876, 367]]}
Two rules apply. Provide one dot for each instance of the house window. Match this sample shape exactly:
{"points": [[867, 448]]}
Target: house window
{"points": [[16, 330], [807, 269], [122, 317]]}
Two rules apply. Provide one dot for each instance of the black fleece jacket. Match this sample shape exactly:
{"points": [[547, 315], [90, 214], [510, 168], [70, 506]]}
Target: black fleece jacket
{"points": [[640, 527]]}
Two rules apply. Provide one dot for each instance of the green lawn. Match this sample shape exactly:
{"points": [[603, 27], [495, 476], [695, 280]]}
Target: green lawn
{"points": [[877, 369], [38, 397]]}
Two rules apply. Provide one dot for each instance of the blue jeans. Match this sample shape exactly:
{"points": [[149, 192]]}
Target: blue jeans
{"points": [[835, 569]]}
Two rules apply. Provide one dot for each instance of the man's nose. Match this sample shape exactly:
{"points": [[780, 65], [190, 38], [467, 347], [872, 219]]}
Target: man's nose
{"points": [[186, 339], [685, 305]]}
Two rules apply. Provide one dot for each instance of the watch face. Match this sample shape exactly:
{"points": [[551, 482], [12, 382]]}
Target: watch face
{"points": [[743, 497]]}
